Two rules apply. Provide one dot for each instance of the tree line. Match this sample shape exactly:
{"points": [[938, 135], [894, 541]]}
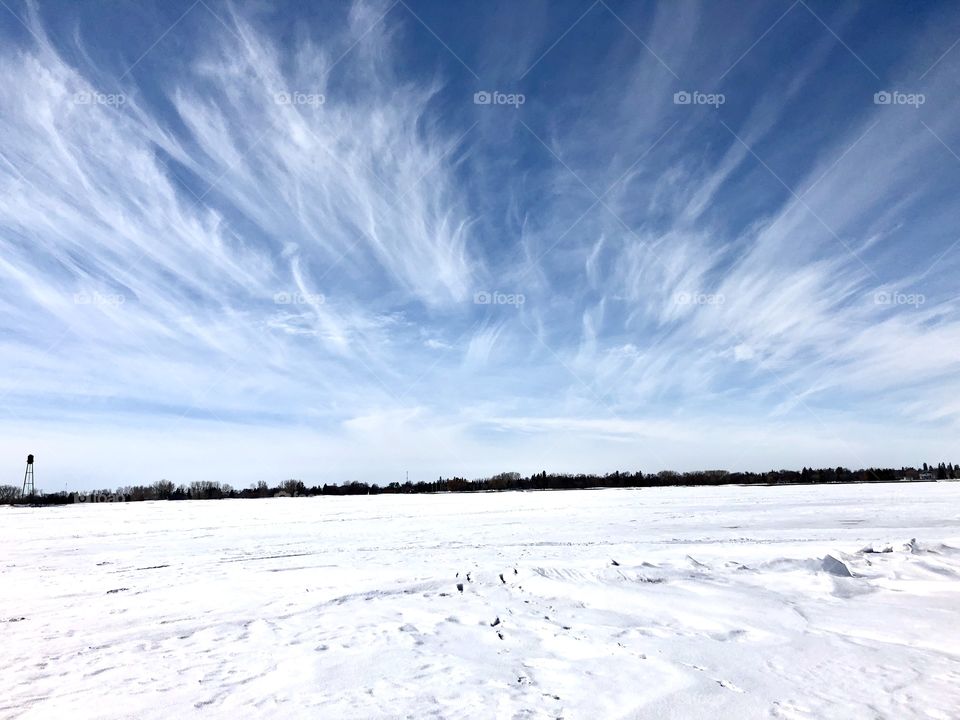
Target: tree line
{"points": [[206, 490]]}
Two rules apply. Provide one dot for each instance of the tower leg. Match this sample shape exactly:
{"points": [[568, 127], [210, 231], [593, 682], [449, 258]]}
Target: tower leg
{"points": [[28, 487]]}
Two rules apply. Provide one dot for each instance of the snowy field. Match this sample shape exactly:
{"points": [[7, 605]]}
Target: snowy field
{"points": [[801, 602]]}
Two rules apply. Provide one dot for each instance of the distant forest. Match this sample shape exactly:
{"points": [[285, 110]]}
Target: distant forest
{"points": [[166, 490]]}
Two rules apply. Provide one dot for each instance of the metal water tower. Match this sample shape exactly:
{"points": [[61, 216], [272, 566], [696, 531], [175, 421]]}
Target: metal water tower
{"points": [[28, 478]]}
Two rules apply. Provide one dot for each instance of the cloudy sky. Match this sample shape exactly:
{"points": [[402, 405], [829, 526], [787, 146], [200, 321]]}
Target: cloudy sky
{"points": [[245, 241]]}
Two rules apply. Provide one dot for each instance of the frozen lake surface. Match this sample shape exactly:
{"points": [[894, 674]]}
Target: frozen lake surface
{"points": [[782, 602]]}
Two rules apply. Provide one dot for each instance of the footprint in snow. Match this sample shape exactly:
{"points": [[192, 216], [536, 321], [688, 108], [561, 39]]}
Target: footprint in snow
{"points": [[729, 686]]}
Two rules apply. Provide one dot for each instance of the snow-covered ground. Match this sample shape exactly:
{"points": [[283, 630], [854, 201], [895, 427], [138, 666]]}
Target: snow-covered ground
{"points": [[802, 602]]}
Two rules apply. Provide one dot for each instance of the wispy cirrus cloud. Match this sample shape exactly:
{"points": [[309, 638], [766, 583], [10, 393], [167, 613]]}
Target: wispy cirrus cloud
{"points": [[254, 187], [311, 228]]}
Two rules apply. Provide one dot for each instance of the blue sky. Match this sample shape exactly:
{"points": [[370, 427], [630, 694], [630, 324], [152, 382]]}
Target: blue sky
{"points": [[257, 241]]}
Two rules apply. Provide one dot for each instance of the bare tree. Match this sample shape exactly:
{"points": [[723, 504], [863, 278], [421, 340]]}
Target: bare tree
{"points": [[8, 493], [293, 487], [163, 489]]}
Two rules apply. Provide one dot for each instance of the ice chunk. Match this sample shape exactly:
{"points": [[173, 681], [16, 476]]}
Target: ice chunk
{"points": [[835, 567]]}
